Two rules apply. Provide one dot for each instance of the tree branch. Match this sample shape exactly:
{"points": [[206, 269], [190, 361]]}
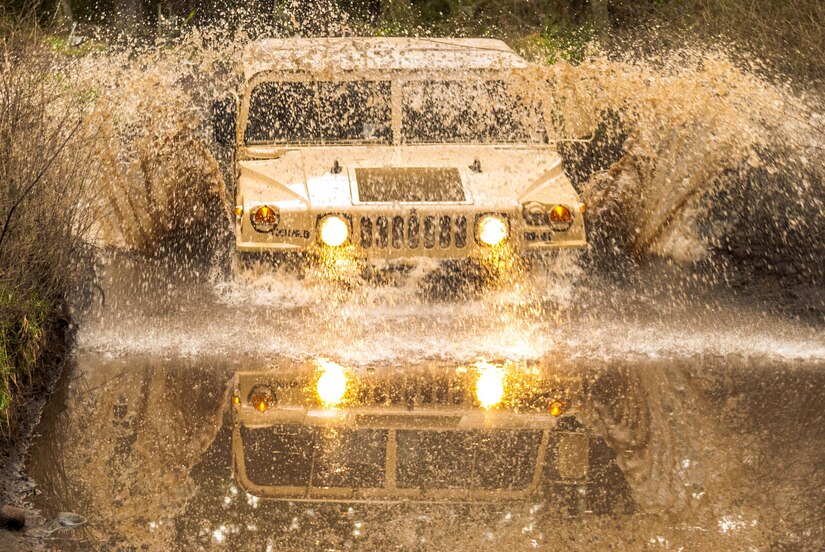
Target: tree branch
{"points": [[34, 182]]}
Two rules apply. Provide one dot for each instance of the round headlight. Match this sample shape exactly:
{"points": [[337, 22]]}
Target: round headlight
{"points": [[333, 230], [561, 217], [332, 384], [490, 385], [265, 218], [491, 230]]}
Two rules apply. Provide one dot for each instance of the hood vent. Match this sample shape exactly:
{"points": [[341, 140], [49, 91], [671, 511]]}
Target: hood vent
{"points": [[412, 185]]}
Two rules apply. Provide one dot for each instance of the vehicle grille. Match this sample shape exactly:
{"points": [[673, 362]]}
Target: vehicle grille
{"points": [[414, 390], [413, 232]]}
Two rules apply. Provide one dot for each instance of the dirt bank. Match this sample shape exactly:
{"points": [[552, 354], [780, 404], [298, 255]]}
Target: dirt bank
{"points": [[16, 489]]}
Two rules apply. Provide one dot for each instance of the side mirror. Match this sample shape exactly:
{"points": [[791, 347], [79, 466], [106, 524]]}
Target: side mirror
{"points": [[224, 121]]}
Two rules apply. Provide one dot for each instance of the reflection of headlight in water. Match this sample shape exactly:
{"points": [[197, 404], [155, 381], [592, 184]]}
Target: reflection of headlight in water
{"points": [[333, 230], [490, 384], [332, 383]]}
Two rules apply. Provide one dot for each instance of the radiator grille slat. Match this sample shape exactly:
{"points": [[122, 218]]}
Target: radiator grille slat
{"points": [[366, 232], [397, 232], [460, 232], [444, 232], [429, 232], [413, 231], [383, 230]]}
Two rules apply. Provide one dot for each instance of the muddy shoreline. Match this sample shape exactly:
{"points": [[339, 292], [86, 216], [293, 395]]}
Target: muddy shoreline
{"points": [[16, 487]]}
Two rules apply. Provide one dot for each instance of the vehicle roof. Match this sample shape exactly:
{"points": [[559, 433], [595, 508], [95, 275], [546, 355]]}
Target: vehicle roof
{"points": [[352, 54]]}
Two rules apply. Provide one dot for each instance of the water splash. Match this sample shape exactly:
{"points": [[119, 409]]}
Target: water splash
{"points": [[697, 130], [701, 142], [711, 155]]}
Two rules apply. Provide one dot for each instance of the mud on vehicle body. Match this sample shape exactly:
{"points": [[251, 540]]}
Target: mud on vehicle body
{"points": [[392, 148], [431, 433]]}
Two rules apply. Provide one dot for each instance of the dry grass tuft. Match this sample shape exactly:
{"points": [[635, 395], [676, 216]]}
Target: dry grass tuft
{"points": [[46, 177]]}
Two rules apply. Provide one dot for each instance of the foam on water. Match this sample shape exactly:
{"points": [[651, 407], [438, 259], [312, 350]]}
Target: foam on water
{"points": [[283, 315]]}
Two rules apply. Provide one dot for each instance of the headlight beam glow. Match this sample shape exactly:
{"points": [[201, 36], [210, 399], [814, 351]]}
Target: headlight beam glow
{"points": [[490, 385], [333, 230], [332, 383], [491, 230]]}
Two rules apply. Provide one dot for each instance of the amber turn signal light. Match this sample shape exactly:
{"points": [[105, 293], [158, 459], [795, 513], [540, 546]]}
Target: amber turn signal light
{"points": [[557, 408], [265, 219], [560, 213], [261, 398], [561, 218]]}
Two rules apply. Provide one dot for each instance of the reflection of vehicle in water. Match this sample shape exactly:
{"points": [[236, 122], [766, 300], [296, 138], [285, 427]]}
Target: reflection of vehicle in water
{"points": [[396, 148], [479, 433]]}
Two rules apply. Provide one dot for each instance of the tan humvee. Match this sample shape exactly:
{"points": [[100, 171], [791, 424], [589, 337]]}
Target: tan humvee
{"points": [[436, 433], [397, 148]]}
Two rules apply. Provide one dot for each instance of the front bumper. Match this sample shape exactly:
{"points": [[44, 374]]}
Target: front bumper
{"points": [[416, 435], [440, 233]]}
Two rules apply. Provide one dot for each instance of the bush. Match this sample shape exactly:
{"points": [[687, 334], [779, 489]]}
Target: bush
{"points": [[21, 338], [46, 145], [786, 35]]}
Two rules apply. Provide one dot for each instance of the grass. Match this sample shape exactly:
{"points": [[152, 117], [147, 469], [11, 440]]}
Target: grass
{"points": [[22, 322], [60, 45], [557, 42], [47, 174]]}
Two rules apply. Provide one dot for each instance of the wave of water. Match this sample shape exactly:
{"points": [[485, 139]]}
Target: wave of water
{"points": [[547, 313]]}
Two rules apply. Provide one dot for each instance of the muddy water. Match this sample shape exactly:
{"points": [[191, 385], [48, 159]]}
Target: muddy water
{"points": [[711, 407], [708, 396]]}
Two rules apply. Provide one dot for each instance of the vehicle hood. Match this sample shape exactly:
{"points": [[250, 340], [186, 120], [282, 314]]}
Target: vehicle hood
{"points": [[328, 177]]}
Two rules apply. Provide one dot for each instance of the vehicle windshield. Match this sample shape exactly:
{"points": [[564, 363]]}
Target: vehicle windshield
{"points": [[484, 111], [433, 111], [320, 112]]}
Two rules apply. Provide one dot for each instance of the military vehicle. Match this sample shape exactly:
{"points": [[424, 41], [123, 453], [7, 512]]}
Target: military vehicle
{"points": [[395, 148], [386, 149], [485, 432]]}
